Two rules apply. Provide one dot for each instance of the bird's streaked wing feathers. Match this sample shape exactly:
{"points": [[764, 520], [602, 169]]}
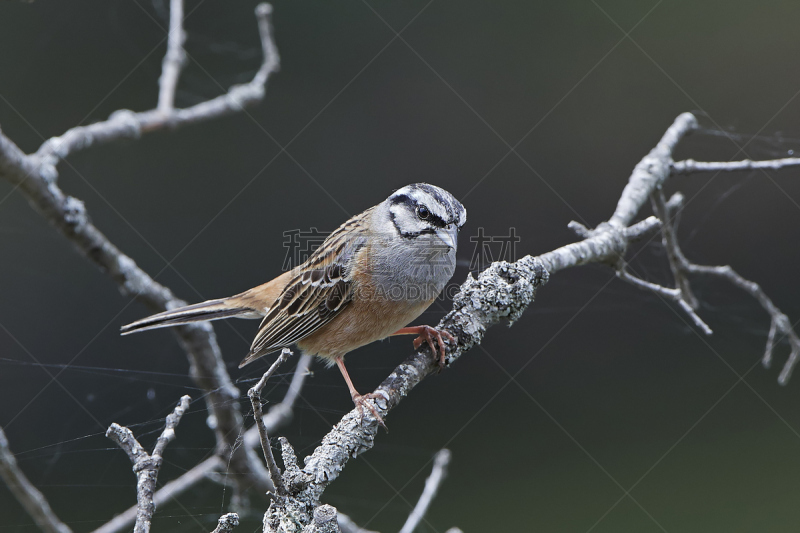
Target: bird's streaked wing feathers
{"points": [[314, 296]]}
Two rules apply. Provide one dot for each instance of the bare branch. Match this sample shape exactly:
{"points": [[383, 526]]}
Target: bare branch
{"points": [[440, 462], [174, 59], [255, 399], [26, 494], [278, 415], [682, 267], [690, 166], [651, 172], [226, 523], [125, 124], [642, 229], [146, 466], [779, 321], [579, 229], [667, 293], [677, 260], [35, 176]]}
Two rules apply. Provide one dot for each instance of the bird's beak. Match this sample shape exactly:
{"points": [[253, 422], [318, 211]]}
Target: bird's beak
{"points": [[448, 235]]}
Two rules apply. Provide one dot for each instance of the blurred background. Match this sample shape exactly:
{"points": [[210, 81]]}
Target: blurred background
{"points": [[621, 417]]}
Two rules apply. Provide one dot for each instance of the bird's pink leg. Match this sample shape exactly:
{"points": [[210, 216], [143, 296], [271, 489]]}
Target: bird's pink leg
{"points": [[360, 399]]}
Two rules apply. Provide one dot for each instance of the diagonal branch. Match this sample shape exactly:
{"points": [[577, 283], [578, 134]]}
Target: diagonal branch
{"points": [[667, 293], [440, 462], [501, 293], [31, 499], [255, 399]]}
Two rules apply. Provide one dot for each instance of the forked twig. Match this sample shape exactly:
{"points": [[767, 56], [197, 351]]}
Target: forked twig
{"points": [[146, 466]]}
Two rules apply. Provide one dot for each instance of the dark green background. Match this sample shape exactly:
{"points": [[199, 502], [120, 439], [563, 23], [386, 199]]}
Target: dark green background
{"points": [[614, 388]]}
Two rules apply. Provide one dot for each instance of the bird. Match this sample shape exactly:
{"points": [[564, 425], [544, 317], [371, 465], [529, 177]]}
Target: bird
{"points": [[367, 281]]}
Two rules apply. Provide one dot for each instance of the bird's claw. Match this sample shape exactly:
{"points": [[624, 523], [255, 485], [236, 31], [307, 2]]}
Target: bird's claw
{"points": [[361, 401], [428, 334]]}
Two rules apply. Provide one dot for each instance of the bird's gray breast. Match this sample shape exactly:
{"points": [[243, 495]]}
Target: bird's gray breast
{"points": [[412, 269]]}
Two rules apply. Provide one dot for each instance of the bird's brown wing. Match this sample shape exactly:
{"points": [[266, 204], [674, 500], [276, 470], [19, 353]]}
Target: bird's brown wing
{"points": [[319, 291]]}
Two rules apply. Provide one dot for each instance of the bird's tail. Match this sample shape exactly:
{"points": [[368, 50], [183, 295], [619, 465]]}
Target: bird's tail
{"points": [[209, 310]]}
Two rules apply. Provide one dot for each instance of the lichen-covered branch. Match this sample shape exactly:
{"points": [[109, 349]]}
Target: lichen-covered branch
{"points": [[146, 466], [36, 175], [501, 293], [226, 523], [26, 494]]}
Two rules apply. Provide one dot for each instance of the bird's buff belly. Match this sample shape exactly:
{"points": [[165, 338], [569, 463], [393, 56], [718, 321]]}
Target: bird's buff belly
{"points": [[361, 323]]}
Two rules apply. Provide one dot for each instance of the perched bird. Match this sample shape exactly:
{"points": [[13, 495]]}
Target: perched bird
{"points": [[371, 277]]}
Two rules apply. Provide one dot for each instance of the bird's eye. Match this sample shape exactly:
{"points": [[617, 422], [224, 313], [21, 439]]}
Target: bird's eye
{"points": [[423, 213]]}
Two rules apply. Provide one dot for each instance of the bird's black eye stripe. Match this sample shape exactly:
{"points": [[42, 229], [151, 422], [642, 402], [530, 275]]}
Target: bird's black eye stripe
{"points": [[404, 199], [425, 214]]}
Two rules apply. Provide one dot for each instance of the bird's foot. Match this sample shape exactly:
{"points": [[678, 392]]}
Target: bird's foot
{"points": [[428, 334], [361, 401]]}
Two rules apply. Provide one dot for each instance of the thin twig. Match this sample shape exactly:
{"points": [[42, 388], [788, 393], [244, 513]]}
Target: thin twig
{"points": [[669, 238], [682, 267], [174, 59], [281, 413], [690, 166], [26, 494], [668, 293], [255, 399], [440, 462], [146, 466], [780, 323]]}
